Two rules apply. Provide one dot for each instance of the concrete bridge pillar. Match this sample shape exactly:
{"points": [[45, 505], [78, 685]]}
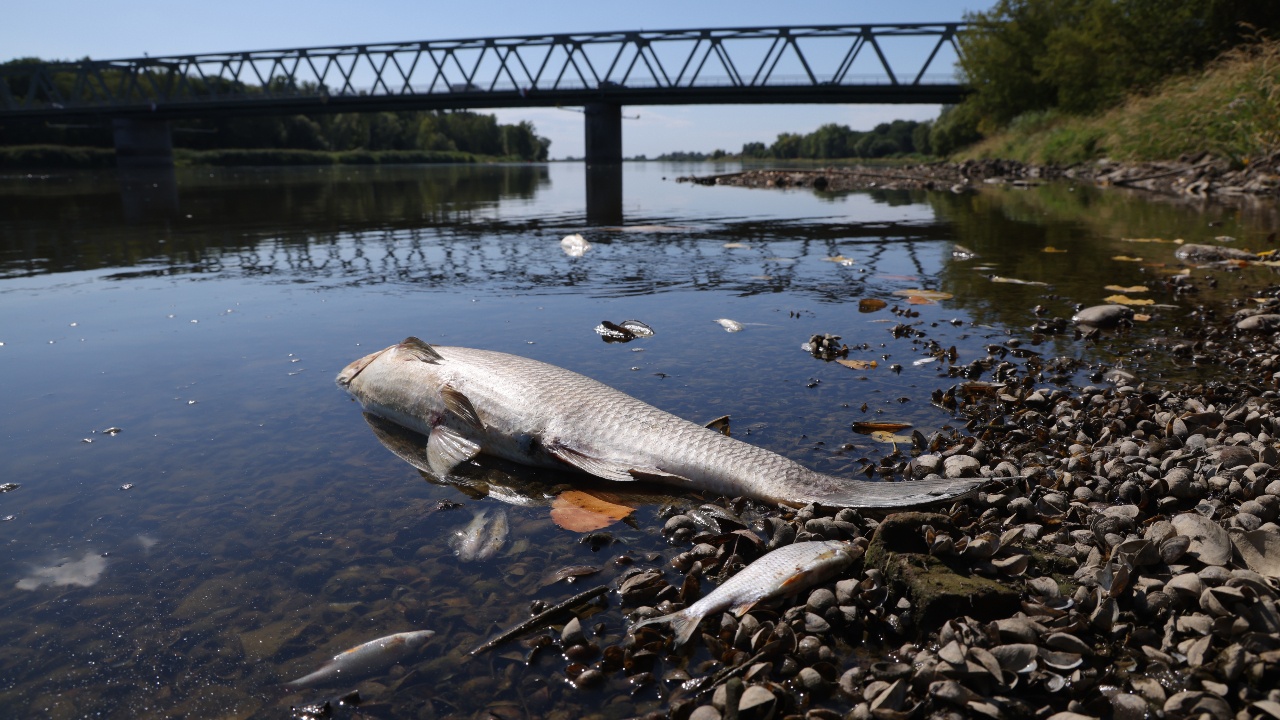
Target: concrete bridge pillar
{"points": [[142, 143], [604, 132], [604, 163]]}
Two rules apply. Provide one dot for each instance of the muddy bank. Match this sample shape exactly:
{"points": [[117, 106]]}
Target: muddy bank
{"points": [[1193, 177]]}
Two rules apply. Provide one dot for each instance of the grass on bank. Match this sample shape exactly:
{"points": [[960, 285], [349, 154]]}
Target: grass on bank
{"points": [[1231, 109], [58, 157]]}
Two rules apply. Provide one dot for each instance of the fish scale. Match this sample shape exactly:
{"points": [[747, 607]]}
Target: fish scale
{"points": [[543, 415]]}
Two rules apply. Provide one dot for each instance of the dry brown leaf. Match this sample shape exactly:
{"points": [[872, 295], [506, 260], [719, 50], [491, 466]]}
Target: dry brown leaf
{"points": [[871, 305], [1129, 289], [930, 294], [585, 511], [1052, 249], [857, 364], [1126, 300], [1126, 258], [869, 427], [1141, 317]]}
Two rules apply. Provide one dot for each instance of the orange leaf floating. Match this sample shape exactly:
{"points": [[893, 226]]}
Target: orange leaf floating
{"points": [[857, 364], [584, 511], [871, 305], [930, 294], [919, 300], [870, 427]]}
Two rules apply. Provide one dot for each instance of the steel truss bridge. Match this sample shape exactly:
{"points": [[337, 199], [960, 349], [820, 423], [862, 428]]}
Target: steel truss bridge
{"points": [[809, 64], [600, 71]]}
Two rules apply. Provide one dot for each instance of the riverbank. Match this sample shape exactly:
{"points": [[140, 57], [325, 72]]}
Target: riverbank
{"points": [[1231, 110], [1122, 563], [58, 157], [1200, 176]]}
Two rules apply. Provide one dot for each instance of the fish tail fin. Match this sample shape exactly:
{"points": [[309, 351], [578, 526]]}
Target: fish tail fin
{"points": [[309, 679], [684, 626], [840, 492], [682, 623]]}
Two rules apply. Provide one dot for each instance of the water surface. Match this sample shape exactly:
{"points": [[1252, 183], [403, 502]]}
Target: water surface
{"points": [[245, 524]]}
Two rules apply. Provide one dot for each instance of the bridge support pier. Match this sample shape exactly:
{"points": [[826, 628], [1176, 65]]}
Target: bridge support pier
{"points": [[142, 143], [604, 163], [604, 132], [144, 169]]}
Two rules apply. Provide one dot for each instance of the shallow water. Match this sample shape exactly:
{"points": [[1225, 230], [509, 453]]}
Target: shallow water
{"points": [[245, 524]]}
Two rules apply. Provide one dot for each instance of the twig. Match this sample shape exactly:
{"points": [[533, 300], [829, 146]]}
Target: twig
{"points": [[541, 618]]}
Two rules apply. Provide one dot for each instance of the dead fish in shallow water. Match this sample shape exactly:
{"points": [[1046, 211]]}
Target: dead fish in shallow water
{"points": [[785, 571], [471, 401], [482, 538], [366, 658]]}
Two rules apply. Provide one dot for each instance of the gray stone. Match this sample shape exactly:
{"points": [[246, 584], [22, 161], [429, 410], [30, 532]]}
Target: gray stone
{"points": [[959, 466], [1102, 315]]}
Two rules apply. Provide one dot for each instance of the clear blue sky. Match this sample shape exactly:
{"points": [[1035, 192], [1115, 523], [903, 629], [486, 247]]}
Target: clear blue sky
{"points": [[63, 29]]}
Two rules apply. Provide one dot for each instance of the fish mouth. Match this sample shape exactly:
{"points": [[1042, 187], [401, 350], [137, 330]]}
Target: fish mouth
{"points": [[350, 372]]}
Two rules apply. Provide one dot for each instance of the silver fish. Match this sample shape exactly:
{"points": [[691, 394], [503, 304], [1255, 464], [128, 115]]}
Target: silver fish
{"points": [[785, 571], [471, 401], [482, 538], [366, 658]]}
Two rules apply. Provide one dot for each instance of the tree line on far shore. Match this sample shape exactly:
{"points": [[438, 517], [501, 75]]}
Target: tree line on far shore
{"points": [[413, 130], [832, 141]]}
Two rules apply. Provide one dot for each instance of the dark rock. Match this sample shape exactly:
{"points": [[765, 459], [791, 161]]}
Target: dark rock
{"points": [[1192, 252], [937, 592]]}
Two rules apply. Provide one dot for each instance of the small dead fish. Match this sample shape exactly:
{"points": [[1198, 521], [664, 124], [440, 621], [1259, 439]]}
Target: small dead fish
{"points": [[625, 331], [730, 325], [481, 538], [1015, 281], [785, 571], [366, 658]]}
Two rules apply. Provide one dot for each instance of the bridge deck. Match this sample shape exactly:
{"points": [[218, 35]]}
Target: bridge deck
{"points": [[811, 64]]}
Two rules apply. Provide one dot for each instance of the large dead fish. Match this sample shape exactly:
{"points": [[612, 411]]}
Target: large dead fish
{"points": [[470, 401], [785, 571], [366, 658]]}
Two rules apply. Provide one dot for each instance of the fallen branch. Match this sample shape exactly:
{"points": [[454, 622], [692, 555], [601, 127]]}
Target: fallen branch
{"points": [[541, 618]]}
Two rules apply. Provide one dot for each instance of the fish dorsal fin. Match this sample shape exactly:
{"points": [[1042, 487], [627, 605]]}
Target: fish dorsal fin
{"points": [[458, 404], [720, 425], [446, 449], [420, 350]]}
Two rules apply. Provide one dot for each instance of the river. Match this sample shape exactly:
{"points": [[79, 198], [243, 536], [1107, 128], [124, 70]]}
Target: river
{"points": [[201, 514]]}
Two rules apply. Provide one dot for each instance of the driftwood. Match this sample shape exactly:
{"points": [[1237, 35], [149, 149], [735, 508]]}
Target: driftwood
{"points": [[540, 619]]}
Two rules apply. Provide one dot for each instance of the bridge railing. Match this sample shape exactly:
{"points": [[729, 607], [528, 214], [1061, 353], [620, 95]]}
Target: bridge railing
{"points": [[822, 57]]}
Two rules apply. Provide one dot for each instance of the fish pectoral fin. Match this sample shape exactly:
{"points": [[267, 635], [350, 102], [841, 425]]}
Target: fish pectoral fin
{"points": [[458, 404], [446, 449], [600, 467], [419, 350], [720, 425], [656, 475], [744, 608]]}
